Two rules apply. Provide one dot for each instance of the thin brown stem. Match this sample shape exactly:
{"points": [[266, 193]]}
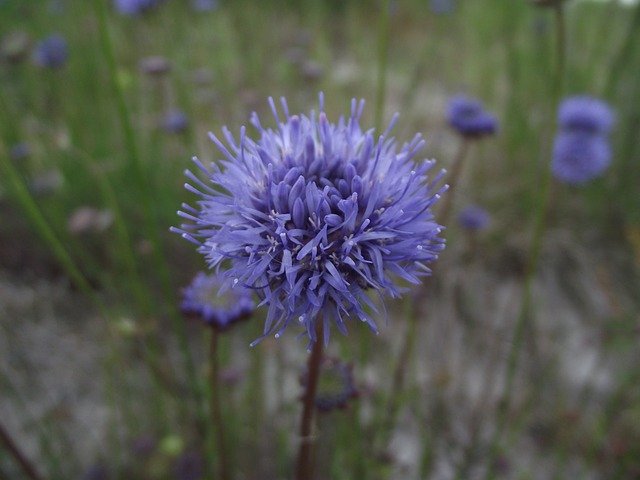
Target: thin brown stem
{"points": [[304, 465], [216, 409], [27, 467]]}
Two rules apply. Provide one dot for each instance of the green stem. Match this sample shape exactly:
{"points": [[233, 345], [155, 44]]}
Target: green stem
{"points": [[383, 57], [395, 396], [137, 172], [561, 49], [47, 435], [42, 227], [525, 315], [453, 179], [414, 310]]}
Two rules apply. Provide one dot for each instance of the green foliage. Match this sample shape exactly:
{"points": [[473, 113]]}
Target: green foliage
{"points": [[97, 122]]}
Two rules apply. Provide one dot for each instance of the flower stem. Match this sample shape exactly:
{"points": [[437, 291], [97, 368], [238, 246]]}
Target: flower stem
{"points": [[561, 47], [216, 408], [452, 179], [395, 397], [27, 467], [525, 314], [304, 466], [414, 309], [140, 177], [383, 56]]}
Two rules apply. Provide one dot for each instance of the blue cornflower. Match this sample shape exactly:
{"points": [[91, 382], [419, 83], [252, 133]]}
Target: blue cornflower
{"points": [[474, 218], [585, 114], [175, 121], [207, 299], [52, 52], [579, 157], [134, 7], [469, 118], [312, 215]]}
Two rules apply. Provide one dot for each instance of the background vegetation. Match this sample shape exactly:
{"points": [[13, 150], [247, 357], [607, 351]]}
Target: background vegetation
{"points": [[100, 374]]}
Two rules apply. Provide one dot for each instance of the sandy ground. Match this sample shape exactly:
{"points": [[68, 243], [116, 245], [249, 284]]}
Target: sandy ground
{"points": [[52, 354]]}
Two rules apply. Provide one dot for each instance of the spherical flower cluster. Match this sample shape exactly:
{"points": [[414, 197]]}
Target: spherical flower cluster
{"points": [[206, 298], [314, 215], [52, 52], [581, 151], [584, 114], [134, 7], [468, 117], [474, 218]]}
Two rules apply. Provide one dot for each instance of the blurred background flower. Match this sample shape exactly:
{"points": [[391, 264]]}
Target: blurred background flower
{"points": [[582, 150], [474, 218], [207, 299], [51, 52], [468, 117]]}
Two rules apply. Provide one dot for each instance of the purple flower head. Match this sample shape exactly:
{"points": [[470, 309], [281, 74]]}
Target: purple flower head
{"points": [[468, 117], [579, 157], [175, 121], [585, 114], [312, 215], [134, 7], [206, 297], [442, 7], [52, 52], [474, 218]]}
